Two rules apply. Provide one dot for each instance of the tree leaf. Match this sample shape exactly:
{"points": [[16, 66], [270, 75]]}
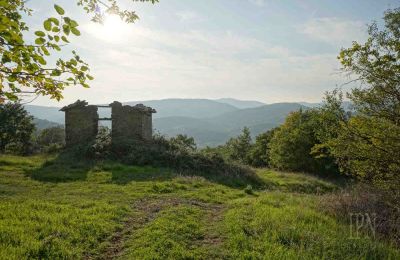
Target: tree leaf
{"points": [[75, 31], [59, 10], [40, 33], [47, 25], [40, 41], [64, 38]]}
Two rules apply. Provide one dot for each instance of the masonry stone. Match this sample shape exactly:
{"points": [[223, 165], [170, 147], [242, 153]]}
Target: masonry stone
{"points": [[129, 123], [81, 123]]}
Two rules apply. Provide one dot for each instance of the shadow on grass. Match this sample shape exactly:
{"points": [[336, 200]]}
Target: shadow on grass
{"points": [[67, 168]]}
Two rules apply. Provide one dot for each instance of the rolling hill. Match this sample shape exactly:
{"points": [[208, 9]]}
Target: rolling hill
{"points": [[210, 122], [217, 130]]}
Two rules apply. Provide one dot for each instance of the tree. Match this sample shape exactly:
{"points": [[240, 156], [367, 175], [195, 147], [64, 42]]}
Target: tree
{"points": [[52, 135], [260, 152], [239, 147], [183, 143], [367, 145], [24, 66], [291, 145], [16, 128]]}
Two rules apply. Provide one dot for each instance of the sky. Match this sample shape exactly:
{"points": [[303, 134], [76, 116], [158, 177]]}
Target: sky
{"points": [[266, 50]]}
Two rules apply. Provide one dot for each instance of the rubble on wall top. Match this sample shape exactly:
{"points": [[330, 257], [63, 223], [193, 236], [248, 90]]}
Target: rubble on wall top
{"points": [[139, 107], [78, 103]]}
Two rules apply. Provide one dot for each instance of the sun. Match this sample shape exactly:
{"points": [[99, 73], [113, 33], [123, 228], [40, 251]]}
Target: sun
{"points": [[113, 29]]}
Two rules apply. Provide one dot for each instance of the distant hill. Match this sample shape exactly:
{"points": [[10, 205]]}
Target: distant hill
{"points": [[210, 122], [49, 113], [242, 104], [42, 123], [196, 108], [217, 130]]}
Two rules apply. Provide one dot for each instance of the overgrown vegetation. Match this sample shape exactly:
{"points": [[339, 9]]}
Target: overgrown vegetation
{"points": [[54, 208]]}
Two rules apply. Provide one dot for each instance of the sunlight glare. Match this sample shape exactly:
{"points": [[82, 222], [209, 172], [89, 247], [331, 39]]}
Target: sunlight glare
{"points": [[112, 30]]}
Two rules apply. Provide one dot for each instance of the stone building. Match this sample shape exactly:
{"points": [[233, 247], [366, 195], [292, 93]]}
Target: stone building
{"points": [[131, 122], [128, 123], [81, 123]]}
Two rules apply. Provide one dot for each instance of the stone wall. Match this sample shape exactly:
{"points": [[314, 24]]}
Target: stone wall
{"points": [[131, 122], [81, 123]]}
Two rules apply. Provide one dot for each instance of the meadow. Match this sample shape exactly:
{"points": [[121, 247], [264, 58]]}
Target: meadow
{"points": [[53, 209]]}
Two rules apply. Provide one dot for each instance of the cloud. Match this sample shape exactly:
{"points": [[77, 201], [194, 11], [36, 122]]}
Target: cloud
{"points": [[189, 16], [258, 2], [151, 64], [334, 31]]}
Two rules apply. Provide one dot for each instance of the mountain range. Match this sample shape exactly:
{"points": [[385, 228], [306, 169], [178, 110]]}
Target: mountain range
{"points": [[210, 122]]}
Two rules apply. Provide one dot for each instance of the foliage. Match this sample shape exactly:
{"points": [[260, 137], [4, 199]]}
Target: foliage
{"points": [[24, 66], [367, 200], [367, 145], [260, 151], [239, 147], [101, 148], [177, 153], [292, 143], [184, 143], [16, 128], [51, 139]]}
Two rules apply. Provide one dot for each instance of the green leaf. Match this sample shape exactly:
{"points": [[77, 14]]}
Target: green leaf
{"points": [[59, 10], [64, 38], [89, 77], [45, 51], [47, 25], [84, 68], [73, 23], [40, 33], [40, 41], [66, 29], [75, 31], [54, 20], [57, 38]]}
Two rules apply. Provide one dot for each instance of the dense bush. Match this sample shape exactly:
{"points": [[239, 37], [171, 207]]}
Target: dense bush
{"points": [[178, 153], [238, 148], [16, 129], [51, 139], [368, 201], [291, 145], [259, 154]]}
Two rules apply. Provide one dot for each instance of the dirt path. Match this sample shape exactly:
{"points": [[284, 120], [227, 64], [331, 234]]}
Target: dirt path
{"points": [[146, 210]]}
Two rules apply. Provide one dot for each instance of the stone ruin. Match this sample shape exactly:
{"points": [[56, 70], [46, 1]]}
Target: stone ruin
{"points": [[127, 122]]}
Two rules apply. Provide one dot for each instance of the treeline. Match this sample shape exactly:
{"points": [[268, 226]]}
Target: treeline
{"points": [[18, 134]]}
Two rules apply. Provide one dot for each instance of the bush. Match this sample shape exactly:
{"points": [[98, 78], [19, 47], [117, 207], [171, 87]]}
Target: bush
{"points": [[50, 140], [364, 199], [260, 151], [16, 129], [291, 145], [176, 153]]}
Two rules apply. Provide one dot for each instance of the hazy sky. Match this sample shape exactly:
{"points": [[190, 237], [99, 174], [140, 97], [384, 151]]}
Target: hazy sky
{"points": [[271, 51]]}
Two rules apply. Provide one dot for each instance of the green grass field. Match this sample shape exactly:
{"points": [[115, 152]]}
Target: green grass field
{"points": [[52, 209]]}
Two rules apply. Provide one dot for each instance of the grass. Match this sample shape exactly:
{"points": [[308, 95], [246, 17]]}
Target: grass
{"points": [[52, 209]]}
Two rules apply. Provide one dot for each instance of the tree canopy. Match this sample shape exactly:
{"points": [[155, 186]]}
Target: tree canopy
{"points": [[25, 66]]}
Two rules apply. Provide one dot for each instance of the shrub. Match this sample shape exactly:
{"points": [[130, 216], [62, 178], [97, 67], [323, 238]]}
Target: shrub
{"points": [[16, 129], [178, 153], [291, 145], [51, 139], [365, 199]]}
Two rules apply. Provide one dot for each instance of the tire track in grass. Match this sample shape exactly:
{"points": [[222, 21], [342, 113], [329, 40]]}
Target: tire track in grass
{"points": [[145, 210]]}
